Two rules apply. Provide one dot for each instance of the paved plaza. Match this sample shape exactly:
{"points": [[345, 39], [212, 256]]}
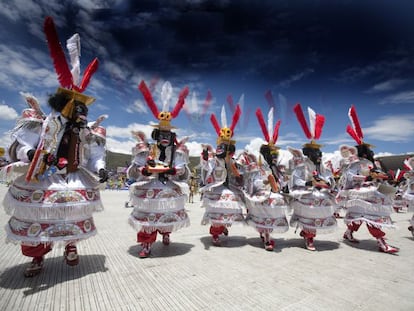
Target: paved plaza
{"points": [[190, 274]]}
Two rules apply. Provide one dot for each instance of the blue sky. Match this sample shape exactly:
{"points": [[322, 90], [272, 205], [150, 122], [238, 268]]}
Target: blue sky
{"points": [[326, 55]]}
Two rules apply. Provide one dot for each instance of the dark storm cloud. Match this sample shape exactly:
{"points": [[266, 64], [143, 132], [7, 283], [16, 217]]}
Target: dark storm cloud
{"points": [[264, 38], [341, 40]]}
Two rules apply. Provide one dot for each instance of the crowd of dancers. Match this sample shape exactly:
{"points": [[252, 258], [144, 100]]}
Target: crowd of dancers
{"points": [[58, 163]]}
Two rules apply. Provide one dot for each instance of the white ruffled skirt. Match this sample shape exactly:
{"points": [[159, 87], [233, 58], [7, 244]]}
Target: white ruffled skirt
{"points": [[158, 206], [367, 204], [57, 209], [223, 206], [313, 211], [267, 213]]}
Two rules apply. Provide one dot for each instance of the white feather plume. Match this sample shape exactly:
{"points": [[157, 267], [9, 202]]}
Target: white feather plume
{"points": [[270, 123], [223, 117], [166, 94], [193, 107], [312, 121], [74, 48], [33, 102]]}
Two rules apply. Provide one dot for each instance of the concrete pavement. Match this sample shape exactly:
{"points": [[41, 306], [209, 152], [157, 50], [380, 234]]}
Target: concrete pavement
{"points": [[190, 274]]}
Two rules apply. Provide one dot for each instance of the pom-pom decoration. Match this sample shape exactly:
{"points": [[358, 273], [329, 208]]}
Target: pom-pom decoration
{"points": [[224, 132]]}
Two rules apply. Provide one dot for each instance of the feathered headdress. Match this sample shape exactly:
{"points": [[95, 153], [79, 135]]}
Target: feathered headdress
{"points": [[96, 128], [142, 143], [396, 175], [316, 123], [270, 134], [69, 80], [224, 132], [164, 116], [181, 147], [355, 131], [409, 164], [34, 112]]}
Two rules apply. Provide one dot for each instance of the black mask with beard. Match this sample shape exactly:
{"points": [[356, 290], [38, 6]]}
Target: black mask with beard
{"points": [[222, 150], [365, 152], [269, 156], [315, 155], [78, 118]]}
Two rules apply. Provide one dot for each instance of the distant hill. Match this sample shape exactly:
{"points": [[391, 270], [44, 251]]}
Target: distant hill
{"points": [[115, 160]]}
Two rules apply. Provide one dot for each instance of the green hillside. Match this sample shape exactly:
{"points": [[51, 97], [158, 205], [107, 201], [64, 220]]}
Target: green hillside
{"points": [[115, 160]]}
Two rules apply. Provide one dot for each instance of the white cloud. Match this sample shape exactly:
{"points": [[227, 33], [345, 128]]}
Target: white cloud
{"points": [[7, 113], [400, 98], [138, 106], [296, 77], [19, 69], [386, 86], [395, 128]]}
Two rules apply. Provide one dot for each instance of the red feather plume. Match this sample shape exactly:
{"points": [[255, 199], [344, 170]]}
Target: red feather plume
{"points": [[180, 103], [276, 131], [262, 124], [319, 122], [302, 121], [236, 117], [56, 52], [148, 98], [355, 121], [230, 102], [269, 98], [400, 175], [215, 123], [353, 134], [207, 102], [90, 70]]}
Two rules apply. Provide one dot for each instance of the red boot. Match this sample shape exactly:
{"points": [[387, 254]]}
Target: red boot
{"points": [[309, 244], [34, 268], [145, 250], [349, 237], [71, 255], [269, 246], [166, 239], [384, 247], [216, 240], [308, 240]]}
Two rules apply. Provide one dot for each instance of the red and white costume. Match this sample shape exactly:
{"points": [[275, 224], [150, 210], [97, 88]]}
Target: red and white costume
{"points": [[160, 191], [222, 197], [311, 184], [408, 194], [263, 183], [52, 202], [363, 192]]}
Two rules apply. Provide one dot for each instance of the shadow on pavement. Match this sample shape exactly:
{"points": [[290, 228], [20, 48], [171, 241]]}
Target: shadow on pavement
{"points": [[280, 244], [55, 271], [160, 250], [226, 241]]}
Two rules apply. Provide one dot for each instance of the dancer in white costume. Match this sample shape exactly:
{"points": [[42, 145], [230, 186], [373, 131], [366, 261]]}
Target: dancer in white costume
{"points": [[94, 151], [159, 195], [222, 197], [399, 182], [408, 193], [264, 184], [311, 184], [53, 202], [359, 190]]}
